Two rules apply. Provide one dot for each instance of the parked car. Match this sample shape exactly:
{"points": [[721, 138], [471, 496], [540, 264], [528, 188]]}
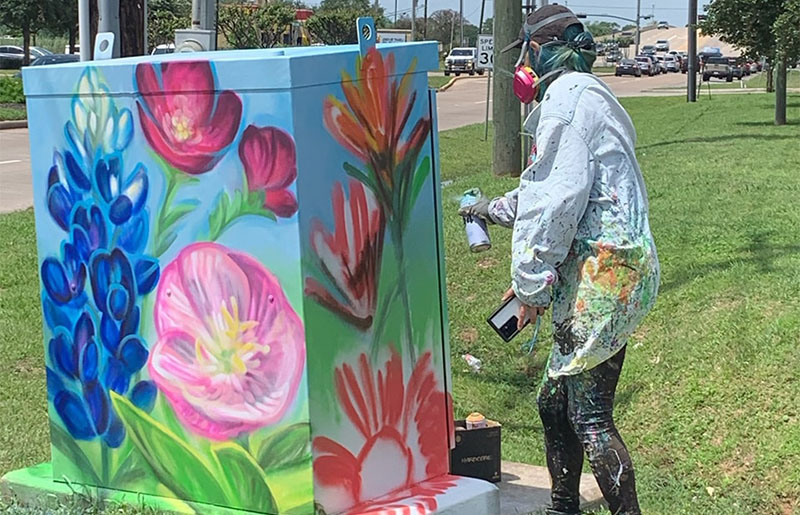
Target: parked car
{"points": [[719, 67], [461, 60], [754, 68], [613, 56], [660, 64], [167, 48], [11, 56], [646, 65], [736, 68], [56, 59], [671, 64], [663, 25], [662, 45], [627, 67], [600, 48]]}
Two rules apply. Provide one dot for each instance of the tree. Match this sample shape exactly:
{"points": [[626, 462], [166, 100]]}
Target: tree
{"points": [[403, 22], [251, 26], [488, 26], [445, 23], [602, 28], [26, 16], [164, 17], [334, 22], [787, 49], [750, 26]]}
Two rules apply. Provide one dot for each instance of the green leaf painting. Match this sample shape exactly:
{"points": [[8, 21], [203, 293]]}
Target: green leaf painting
{"points": [[285, 447], [176, 465], [246, 484]]}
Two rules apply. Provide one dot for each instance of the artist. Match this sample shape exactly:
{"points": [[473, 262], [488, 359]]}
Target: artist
{"points": [[581, 242]]}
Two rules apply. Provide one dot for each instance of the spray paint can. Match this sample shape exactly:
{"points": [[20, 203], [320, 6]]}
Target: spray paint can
{"points": [[475, 227]]}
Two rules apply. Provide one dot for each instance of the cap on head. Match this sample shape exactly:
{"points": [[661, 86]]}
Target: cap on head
{"points": [[545, 24]]}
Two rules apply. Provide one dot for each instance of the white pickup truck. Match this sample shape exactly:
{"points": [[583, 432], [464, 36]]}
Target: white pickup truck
{"points": [[462, 60]]}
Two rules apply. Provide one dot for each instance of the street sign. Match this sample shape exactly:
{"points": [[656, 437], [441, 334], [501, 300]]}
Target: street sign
{"points": [[486, 51]]}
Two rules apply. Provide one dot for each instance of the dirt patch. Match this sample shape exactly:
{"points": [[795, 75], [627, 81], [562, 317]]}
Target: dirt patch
{"points": [[487, 262], [27, 366], [468, 335]]}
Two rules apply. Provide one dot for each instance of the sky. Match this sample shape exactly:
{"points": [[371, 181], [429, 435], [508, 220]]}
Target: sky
{"points": [[673, 11]]}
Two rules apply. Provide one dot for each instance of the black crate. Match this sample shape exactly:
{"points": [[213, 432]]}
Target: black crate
{"points": [[477, 452]]}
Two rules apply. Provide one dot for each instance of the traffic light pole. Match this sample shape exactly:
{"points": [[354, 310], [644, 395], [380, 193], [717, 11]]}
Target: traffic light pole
{"points": [[638, 25], [691, 69]]}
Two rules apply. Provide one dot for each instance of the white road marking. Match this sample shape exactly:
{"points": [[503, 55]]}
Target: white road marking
{"points": [[11, 161]]}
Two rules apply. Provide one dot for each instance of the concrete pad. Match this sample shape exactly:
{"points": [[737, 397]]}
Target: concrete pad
{"points": [[526, 489]]}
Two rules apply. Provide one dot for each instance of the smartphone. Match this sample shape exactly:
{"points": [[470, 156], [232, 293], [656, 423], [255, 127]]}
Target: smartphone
{"points": [[504, 319]]}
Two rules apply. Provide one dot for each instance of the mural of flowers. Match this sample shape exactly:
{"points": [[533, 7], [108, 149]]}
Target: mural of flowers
{"points": [[230, 351], [398, 421], [350, 257], [188, 125], [270, 167], [184, 120], [371, 124], [92, 291]]}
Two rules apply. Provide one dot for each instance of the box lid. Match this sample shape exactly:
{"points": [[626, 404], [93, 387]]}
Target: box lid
{"points": [[256, 69]]}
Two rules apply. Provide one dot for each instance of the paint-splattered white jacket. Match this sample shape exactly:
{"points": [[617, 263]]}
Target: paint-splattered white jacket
{"points": [[580, 218]]}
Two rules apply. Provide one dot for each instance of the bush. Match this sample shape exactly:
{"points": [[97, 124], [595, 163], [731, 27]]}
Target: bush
{"points": [[11, 91]]}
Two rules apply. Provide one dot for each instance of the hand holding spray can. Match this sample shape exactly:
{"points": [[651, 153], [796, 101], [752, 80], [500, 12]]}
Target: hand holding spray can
{"points": [[475, 226]]}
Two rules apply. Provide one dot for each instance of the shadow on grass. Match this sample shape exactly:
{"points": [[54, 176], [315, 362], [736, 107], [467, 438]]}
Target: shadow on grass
{"points": [[769, 123], [725, 137], [758, 252]]}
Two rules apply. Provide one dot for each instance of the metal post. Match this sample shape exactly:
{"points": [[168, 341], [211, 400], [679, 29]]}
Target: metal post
{"points": [[83, 30], [461, 22], [488, 90], [413, 20], [108, 21], [144, 32], [691, 68], [638, 25], [452, 30], [425, 22], [506, 148], [395, 12]]}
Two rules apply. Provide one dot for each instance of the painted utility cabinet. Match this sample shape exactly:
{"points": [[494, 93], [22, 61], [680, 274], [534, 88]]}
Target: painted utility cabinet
{"points": [[242, 278]]}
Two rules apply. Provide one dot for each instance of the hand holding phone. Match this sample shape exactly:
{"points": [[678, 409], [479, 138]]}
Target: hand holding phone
{"points": [[512, 316]]}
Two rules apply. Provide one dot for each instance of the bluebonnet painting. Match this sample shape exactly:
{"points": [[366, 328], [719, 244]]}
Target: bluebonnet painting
{"points": [[93, 289]]}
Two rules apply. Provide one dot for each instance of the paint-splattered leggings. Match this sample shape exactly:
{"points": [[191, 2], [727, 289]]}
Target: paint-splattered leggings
{"points": [[577, 414]]}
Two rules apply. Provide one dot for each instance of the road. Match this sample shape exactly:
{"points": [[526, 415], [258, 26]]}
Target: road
{"points": [[463, 104]]}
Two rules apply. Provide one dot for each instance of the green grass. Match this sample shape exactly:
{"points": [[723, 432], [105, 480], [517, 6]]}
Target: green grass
{"points": [[709, 393], [12, 113], [437, 81]]}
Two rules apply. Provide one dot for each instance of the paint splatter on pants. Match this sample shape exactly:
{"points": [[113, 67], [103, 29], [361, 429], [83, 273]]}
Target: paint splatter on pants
{"points": [[577, 414]]}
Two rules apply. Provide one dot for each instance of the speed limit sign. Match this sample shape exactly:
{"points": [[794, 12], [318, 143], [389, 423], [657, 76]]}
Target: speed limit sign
{"points": [[486, 51]]}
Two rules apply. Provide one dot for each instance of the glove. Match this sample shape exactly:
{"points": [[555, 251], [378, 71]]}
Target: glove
{"points": [[479, 208]]}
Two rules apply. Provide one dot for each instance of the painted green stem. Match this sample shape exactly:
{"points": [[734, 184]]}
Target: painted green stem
{"points": [[397, 239]]}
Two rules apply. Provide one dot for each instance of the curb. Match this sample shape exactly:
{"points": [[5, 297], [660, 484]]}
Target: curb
{"points": [[460, 77], [14, 124]]}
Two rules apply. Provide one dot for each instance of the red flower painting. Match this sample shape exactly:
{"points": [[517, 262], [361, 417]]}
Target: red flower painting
{"points": [[350, 257], [270, 164], [183, 118], [397, 422]]}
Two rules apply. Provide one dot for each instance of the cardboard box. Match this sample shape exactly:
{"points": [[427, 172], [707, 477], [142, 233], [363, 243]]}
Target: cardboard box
{"points": [[477, 452]]}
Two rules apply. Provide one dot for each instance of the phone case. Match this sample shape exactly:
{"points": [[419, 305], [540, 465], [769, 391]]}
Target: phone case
{"points": [[506, 327]]}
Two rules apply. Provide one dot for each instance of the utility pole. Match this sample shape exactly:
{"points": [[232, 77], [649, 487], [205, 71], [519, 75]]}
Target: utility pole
{"points": [[691, 68], [395, 12], [108, 21], [452, 30], [506, 148], [425, 23], [638, 25], [84, 37], [461, 22], [413, 20]]}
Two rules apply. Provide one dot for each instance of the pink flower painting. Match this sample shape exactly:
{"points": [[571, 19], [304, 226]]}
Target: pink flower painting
{"points": [[350, 257], [397, 422], [183, 118], [230, 352], [270, 164]]}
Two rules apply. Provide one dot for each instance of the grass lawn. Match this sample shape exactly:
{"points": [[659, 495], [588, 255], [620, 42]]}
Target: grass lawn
{"points": [[758, 80], [437, 81], [12, 113], [708, 399]]}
